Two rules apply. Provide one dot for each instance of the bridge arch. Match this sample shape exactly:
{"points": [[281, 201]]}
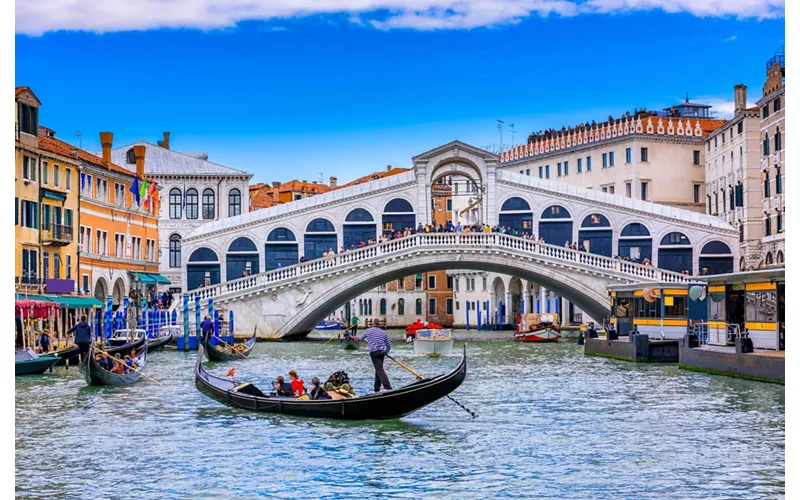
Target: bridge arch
{"points": [[320, 236], [675, 252], [359, 225], [398, 214], [203, 268], [241, 258], [516, 213], [555, 225], [455, 166], [596, 234], [715, 258], [635, 242], [281, 249]]}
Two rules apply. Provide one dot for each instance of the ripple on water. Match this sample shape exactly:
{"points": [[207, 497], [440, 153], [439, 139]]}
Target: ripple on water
{"points": [[553, 424]]}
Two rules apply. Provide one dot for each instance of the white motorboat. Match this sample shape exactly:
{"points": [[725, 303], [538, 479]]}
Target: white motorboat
{"points": [[122, 336], [432, 342]]}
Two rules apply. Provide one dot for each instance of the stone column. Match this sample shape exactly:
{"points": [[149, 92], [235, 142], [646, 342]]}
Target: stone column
{"points": [[542, 299], [509, 313], [564, 312]]}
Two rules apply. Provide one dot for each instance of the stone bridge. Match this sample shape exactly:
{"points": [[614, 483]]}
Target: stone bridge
{"points": [[288, 299]]}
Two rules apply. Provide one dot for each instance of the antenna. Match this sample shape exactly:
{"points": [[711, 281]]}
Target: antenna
{"points": [[513, 132], [79, 136], [500, 128]]}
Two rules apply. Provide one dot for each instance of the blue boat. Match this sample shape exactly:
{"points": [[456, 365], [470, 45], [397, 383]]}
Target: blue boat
{"points": [[324, 325]]}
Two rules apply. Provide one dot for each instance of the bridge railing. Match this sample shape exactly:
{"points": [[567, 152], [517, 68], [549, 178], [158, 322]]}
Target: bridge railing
{"points": [[485, 241]]}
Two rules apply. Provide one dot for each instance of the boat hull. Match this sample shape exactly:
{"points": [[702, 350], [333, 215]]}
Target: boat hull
{"points": [[433, 347], [215, 354], [158, 343], [542, 335], [35, 366], [328, 326], [377, 406], [348, 344], [96, 376]]}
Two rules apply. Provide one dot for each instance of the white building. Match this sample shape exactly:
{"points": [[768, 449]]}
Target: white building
{"points": [[194, 191]]}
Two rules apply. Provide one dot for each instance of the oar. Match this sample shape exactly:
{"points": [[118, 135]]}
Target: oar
{"points": [[420, 377], [232, 349], [129, 367]]}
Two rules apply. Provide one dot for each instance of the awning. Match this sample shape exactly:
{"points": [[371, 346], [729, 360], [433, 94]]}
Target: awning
{"points": [[54, 196], [160, 279], [151, 279], [77, 302]]}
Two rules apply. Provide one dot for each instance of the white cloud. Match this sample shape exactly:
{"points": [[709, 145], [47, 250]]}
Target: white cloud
{"points": [[730, 39], [721, 105], [35, 17]]}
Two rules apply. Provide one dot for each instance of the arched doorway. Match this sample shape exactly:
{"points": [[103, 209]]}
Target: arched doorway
{"points": [[398, 215], [715, 258], [555, 225], [498, 301], [635, 242], [515, 307], [516, 214], [101, 290], [319, 238], [241, 259], [281, 248], [203, 269], [358, 226], [119, 292], [675, 253], [595, 235]]}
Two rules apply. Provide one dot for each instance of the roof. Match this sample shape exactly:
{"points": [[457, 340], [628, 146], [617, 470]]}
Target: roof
{"points": [[261, 196], [374, 176], [19, 90], [303, 186], [59, 147], [163, 161]]}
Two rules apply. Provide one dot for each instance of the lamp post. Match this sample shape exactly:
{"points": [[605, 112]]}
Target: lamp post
{"points": [[132, 327]]}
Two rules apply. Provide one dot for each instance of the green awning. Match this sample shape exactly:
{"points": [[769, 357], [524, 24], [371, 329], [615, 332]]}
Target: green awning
{"points": [[55, 196], [144, 278], [159, 279], [77, 302]]}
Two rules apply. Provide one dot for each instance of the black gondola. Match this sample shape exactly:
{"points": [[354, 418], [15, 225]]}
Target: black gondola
{"points": [[348, 343], [123, 350], [71, 353], [95, 375], [215, 354], [68, 353], [158, 343], [382, 405]]}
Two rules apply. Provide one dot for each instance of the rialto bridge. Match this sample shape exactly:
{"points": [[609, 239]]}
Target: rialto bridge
{"points": [[249, 263]]}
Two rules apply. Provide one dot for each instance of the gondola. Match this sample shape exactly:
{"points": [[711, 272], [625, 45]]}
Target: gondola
{"points": [[348, 343], [30, 363], [382, 405], [68, 353], [96, 376], [215, 354], [122, 350], [158, 343]]}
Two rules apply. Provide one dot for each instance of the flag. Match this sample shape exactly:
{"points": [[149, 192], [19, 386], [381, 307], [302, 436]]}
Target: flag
{"points": [[143, 188], [230, 373], [135, 189]]}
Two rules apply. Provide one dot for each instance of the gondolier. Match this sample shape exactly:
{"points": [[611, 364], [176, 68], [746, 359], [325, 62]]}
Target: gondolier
{"points": [[354, 324], [83, 336], [378, 346]]}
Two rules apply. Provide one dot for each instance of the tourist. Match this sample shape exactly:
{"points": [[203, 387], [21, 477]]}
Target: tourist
{"points": [[128, 363], [297, 383], [105, 362], [317, 392], [83, 336], [282, 388], [378, 346], [207, 326], [118, 365], [43, 342]]}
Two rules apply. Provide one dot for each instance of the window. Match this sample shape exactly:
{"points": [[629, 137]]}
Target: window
{"points": [[644, 309], [766, 185], [418, 282], [778, 145], [723, 137], [46, 265], [627, 155], [767, 226], [766, 144], [28, 118], [450, 204], [778, 182], [399, 284], [208, 203], [449, 306], [431, 282], [765, 111], [30, 266], [418, 307], [234, 203], [695, 157], [521, 172], [382, 307], [644, 191], [298, 197], [56, 266], [730, 198], [401, 307], [761, 305], [559, 169], [547, 171], [29, 168], [191, 203], [30, 214], [580, 165], [675, 307], [432, 306], [527, 172], [696, 188], [541, 172], [449, 282], [130, 157], [458, 308], [69, 267], [566, 168], [611, 159], [46, 217], [608, 189], [605, 160], [739, 127], [779, 223], [776, 105], [85, 286], [175, 201], [45, 173], [150, 252], [68, 178], [588, 163], [56, 175], [484, 284], [628, 190]]}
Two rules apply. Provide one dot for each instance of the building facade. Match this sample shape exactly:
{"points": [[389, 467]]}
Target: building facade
{"points": [[194, 191], [648, 156], [46, 206]]}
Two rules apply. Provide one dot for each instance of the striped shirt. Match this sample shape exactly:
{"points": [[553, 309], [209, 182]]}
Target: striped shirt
{"points": [[377, 340]]}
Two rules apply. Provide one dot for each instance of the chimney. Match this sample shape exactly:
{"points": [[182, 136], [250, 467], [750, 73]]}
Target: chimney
{"points": [[333, 182], [739, 98], [388, 168], [138, 153], [276, 184], [165, 143], [106, 139]]}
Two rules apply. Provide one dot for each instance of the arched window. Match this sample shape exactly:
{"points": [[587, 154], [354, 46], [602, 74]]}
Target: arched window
{"points": [[208, 203], [359, 215], [675, 238], [382, 307], [175, 250], [768, 260], [515, 203], [360, 307], [130, 157], [191, 203], [418, 309], [778, 144], [370, 307], [779, 258], [401, 307], [234, 202], [766, 143], [175, 203]]}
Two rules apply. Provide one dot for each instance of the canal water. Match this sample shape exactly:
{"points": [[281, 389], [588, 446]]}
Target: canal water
{"points": [[552, 423]]}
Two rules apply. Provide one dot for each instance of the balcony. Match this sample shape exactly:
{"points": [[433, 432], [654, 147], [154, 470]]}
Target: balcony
{"points": [[28, 279], [57, 234]]}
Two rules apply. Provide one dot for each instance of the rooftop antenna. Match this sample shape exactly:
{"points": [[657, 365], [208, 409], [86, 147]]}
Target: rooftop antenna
{"points": [[513, 132], [79, 136], [500, 128]]}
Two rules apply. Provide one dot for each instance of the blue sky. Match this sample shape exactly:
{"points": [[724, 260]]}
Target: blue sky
{"points": [[341, 95]]}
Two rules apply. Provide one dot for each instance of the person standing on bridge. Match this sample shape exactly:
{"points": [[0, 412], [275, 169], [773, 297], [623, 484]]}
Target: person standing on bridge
{"points": [[378, 346]]}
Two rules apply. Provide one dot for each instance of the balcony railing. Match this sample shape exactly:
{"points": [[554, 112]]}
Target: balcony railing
{"points": [[28, 279], [57, 234]]}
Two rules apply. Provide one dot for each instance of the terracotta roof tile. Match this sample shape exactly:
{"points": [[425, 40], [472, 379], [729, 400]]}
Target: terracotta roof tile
{"points": [[19, 90], [374, 176]]}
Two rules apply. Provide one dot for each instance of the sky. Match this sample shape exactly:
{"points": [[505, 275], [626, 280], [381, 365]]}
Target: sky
{"points": [[293, 89]]}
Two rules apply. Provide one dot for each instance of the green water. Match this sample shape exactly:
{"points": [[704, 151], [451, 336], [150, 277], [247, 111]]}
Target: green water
{"points": [[552, 423]]}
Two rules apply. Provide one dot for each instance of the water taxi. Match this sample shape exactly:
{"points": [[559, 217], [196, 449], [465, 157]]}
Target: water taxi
{"points": [[538, 328], [433, 342]]}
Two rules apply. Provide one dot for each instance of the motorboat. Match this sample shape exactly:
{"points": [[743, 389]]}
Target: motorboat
{"points": [[413, 328], [433, 342], [328, 325], [122, 336], [538, 328]]}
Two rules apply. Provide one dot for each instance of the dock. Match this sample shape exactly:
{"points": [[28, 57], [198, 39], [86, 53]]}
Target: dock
{"points": [[762, 365], [638, 348]]}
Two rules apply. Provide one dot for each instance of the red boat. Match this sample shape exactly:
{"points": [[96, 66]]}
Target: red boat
{"points": [[538, 328], [413, 328]]}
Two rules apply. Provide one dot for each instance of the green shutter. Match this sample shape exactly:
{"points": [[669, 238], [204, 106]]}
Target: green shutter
{"points": [[35, 215], [16, 211]]}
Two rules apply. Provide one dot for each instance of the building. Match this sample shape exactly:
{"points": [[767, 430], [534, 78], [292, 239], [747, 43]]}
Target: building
{"points": [[773, 137], [45, 205], [194, 191], [646, 155], [118, 231], [265, 196], [400, 302]]}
